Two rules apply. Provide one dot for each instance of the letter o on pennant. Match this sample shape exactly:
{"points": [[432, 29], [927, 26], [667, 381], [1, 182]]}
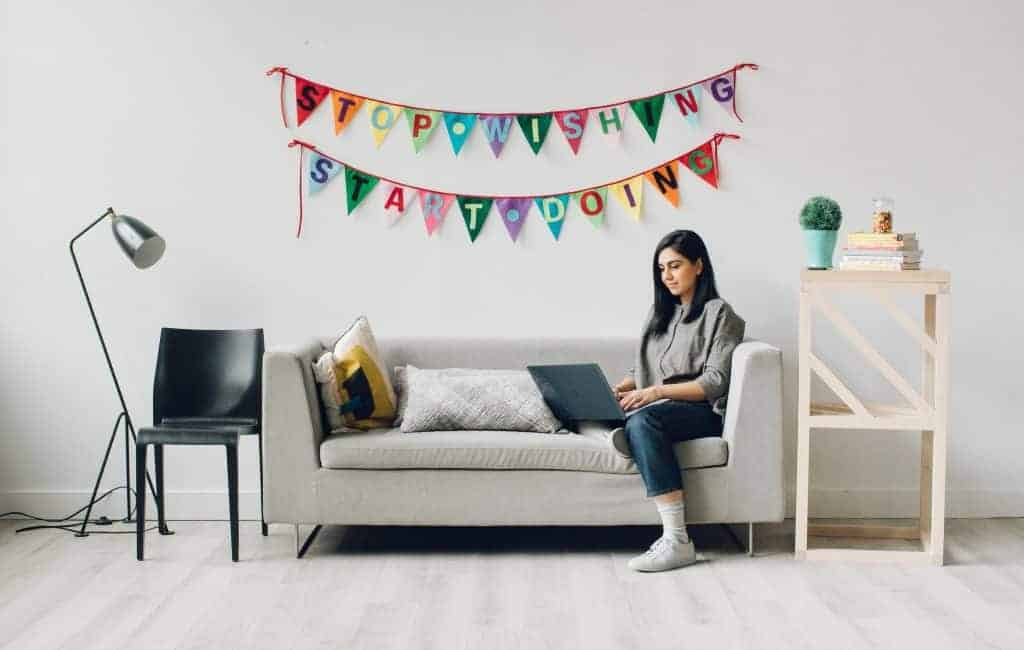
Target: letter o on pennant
{"points": [[591, 203], [389, 117]]}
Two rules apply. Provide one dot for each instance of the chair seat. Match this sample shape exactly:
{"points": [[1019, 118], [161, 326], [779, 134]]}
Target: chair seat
{"points": [[245, 426], [187, 435]]}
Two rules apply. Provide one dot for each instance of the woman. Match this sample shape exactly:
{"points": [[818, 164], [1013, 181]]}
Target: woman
{"points": [[679, 384]]}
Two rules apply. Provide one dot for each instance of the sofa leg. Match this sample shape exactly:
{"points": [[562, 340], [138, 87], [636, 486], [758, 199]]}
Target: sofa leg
{"points": [[302, 546], [750, 537]]}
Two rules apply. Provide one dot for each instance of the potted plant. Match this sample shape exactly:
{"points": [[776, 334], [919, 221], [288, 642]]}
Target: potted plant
{"points": [[820, 219]]}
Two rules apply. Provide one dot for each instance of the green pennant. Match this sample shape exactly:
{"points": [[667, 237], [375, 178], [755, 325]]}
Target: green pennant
{"points": [[648, 111], [421, 125], [474, 213], [535, 128], [357, 186]]}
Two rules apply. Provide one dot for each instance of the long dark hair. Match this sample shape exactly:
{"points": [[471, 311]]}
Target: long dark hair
{"points": [[688, 244]]}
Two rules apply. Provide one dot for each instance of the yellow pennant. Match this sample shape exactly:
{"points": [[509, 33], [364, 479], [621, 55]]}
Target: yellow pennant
{"points": [[630, 194], [345, 108], [382, 118]]}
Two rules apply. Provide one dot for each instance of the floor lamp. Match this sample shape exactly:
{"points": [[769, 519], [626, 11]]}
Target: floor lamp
{"points": [[144, 248]]}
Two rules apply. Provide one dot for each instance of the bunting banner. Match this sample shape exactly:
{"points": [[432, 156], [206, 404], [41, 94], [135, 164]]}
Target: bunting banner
{"points": [[317, 170], [608, 120]]}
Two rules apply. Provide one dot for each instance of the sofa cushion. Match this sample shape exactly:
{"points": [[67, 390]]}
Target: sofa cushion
{"points": [[471, 399], [355, 390], [586, 452]]}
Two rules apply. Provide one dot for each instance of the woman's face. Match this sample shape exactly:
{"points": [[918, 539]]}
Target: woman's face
{"points": [[678, 274]]}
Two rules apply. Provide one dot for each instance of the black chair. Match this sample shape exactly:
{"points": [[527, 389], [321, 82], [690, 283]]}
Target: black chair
{"points": [[207, 391]]}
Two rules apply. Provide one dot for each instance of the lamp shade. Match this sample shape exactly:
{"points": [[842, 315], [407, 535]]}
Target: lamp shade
{"points": [[138, 241]]}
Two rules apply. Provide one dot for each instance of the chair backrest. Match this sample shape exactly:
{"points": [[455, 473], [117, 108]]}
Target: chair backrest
{"points": [[209, 373]]}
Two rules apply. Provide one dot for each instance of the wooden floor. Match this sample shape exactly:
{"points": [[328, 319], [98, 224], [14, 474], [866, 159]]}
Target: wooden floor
{"points": [[492, 588]]}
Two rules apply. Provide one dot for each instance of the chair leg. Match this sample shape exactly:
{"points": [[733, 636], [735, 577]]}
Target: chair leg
{"points": [[158, 462], [140, 500], [263, 521], [232, 454]]}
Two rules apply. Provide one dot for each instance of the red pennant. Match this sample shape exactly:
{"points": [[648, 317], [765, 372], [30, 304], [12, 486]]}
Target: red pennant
{"points": [[308, 95], [572, 124], [703, 162]]}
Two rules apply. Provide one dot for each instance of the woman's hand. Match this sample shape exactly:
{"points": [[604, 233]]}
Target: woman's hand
{"points": [[636, 398], [623, 386]]}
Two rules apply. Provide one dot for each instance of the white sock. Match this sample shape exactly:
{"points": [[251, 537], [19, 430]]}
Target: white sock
{"points": [[673, 519]]}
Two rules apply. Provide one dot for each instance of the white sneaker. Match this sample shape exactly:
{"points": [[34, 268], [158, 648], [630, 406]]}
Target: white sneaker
{"points": [[664, 554], [619, 442]]}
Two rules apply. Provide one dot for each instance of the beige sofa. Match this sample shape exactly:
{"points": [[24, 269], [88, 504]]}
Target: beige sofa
{"points": [[491, 478]]}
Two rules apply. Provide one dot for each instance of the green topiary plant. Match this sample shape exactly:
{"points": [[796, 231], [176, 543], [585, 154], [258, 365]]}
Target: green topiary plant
{"points": [[820, 213]]}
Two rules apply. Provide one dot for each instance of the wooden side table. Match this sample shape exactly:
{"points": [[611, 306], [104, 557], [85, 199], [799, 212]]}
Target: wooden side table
{"points": [[928, 410]]}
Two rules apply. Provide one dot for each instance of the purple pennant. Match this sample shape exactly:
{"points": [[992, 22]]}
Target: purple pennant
{"points": [[496, 128], [723, 90], [513, 213]]}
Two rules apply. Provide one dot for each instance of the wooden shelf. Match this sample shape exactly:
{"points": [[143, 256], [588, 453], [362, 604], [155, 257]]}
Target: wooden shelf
{"points": [[835, 275], [927, 413], [836, 415]]}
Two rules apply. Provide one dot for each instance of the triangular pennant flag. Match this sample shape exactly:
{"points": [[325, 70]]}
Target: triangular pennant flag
{"points": [[648, 111], [630, 194], [703, 162], [535, 128], [665, 180], [572, 124], [591, 203], [345, 108], [610, 121], [496, 127], [434, 206], [723, 90], [513, 211], [396, 201], [459, 125], [321, 171], [308, 95], [421, 125], [357, 186], [382, 118], [474, 213], [688, 101], [552, 210]]}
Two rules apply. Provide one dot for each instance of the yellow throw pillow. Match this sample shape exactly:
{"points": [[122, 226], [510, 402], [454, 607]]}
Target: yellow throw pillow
{"points": [[364, 395]]}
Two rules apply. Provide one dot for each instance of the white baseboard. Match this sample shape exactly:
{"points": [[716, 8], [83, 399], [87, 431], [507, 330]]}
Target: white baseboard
{"points": [[824, 502], [180, 505]]}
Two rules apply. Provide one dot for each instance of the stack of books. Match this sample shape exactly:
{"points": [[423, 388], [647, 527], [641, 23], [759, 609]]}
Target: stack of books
{"points": [[881, 251]]}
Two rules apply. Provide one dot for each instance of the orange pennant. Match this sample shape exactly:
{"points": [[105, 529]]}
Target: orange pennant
{"points": [[666, 181], [345, 108]]}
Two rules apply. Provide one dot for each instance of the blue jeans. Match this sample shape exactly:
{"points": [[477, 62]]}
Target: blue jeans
{"points": [[652, 431]]}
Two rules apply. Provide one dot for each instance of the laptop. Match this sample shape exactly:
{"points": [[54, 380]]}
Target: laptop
{"points": [[577, 392]]}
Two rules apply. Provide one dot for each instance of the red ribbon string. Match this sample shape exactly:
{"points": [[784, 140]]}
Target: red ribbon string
{"points": [[283, 72], [714, 140], [752, 66], [300, 143], [739, 66]]}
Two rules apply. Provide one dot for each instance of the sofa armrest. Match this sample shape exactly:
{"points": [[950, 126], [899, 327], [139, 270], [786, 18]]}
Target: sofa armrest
{"points": [[753, 429], [292, 432]]}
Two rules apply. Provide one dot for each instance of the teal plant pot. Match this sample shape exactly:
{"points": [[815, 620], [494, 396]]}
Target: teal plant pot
{"points": [[820, 246]]}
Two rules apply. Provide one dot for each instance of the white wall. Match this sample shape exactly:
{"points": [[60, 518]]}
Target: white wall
{"points": [[165, 113]]}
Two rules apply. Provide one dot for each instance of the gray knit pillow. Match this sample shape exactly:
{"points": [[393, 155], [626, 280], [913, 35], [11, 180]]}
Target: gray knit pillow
{"points": [[459, 399]]}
